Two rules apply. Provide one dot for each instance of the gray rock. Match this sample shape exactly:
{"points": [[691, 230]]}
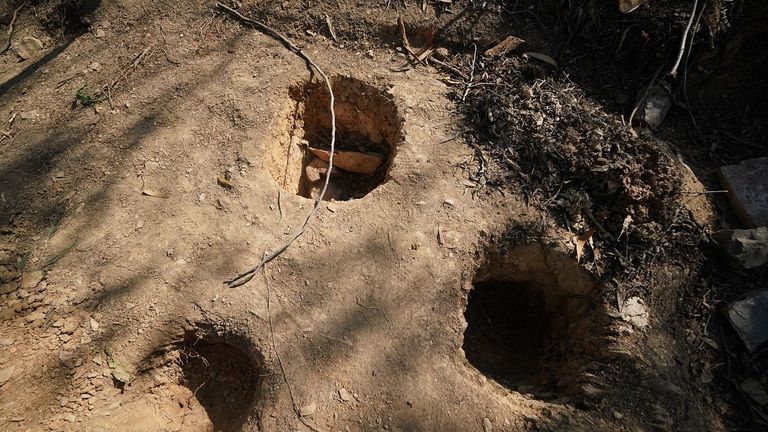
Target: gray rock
{"points": [[744, 249], [749, 319], [747, 185]]}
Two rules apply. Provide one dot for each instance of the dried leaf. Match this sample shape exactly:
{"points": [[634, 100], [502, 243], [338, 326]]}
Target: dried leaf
{"points": [[510, 43], [627, 6], [154, 193], [224, 182], [357, 162], [581, 241], [542, 57]]}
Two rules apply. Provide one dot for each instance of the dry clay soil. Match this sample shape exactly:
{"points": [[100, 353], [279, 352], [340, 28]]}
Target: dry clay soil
{"points": [[114, 313]]}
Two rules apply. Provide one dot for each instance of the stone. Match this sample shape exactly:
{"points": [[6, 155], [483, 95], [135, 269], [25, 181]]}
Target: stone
{"points": [[748, 318], [663, 386], [29, 280], [345, 395], [28, 47], [100, 33], [6, 374], [487, 425], [94, 325], [308, 410], [744, 249], [70, 418], [37, 315], [29, 115], [633, 311], [7, 288], [747, 184], [655, 105]]}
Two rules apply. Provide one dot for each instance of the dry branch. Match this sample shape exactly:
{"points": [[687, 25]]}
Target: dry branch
{"points": [[245, 276]]}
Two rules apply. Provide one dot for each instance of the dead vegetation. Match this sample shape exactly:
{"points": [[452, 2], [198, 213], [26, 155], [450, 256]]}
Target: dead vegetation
{"points": [[545, 97]]}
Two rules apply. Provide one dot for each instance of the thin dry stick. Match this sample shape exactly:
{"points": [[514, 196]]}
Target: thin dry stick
{"points": [[245, 276], [277, 353], [471, 75], [11, 26], [673, 72]]}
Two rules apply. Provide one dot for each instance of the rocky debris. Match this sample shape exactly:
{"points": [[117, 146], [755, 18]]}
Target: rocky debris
{"points": [[655, 105], [6, 374], [749, 319], [744, 249], [308, 410], [747, 185], [7, 288], [634, 311], [345, 395], [30, 280], [487, 425], [29, 115], [28, 47]]}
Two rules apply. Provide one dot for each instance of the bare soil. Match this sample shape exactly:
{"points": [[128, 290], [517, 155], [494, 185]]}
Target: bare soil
{"points": [[481, 279]]}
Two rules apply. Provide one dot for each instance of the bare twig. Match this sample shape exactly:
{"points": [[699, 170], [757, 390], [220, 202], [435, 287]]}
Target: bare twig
{"points": [[471, 75], [673, 72], [11, 26], [245, 276], [329, 23], [405, 43], [450, 67]]}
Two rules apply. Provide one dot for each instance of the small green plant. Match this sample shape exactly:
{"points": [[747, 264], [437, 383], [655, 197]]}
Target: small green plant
{"points": [[82, 98]]}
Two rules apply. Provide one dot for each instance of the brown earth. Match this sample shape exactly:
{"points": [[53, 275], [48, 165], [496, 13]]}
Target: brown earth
{"points": [[481, 279]]}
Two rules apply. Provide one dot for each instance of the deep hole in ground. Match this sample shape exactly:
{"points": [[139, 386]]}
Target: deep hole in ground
{"points": [[367, 133], [533, 323], [216, 384]]}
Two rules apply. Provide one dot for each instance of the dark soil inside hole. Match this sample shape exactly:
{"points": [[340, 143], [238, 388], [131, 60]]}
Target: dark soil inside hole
{"points": [[223, 379], [507, 332]]}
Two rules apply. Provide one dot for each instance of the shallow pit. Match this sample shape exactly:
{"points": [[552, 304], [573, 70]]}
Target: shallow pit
{"points": [[533, 322], [368, 131], [196, 384]]}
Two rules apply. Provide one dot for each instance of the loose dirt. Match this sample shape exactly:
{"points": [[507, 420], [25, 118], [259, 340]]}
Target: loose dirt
{"points": [[481, 278]]}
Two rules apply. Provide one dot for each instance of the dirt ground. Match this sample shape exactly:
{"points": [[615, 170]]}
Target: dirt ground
{"points": [[522, 260]]}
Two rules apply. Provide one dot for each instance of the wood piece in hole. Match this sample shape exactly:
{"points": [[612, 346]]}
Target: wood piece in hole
{"points": [[356, 162], [318, 168], [509, 44]]}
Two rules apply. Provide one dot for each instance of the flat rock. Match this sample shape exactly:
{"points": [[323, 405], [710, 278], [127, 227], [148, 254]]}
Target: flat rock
{"points": [[28, 47], [633, 311], [345, 395], [749, 319], [747, 184], [744, 249], [30, 280], [6, 374], [308, 410], [7, 288]]}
